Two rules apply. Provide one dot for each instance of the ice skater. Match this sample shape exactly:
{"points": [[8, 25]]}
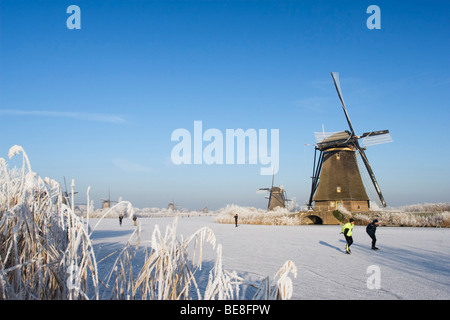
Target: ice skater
{"points": [[371, 229], [235, 219], [347, 231], [120, 219]]}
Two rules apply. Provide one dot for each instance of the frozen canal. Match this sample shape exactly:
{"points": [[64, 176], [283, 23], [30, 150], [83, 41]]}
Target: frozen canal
{"points": [[412, 263]]}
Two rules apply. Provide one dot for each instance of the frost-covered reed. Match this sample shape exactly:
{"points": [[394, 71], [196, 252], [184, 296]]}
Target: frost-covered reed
{"points": [[46, 252], [169, 273]]}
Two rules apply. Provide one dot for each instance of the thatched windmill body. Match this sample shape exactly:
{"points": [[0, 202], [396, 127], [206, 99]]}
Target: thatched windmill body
{"points": [[336, 180]]}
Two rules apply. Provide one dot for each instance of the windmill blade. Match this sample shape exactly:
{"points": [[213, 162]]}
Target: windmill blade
{"points": [[335, 76], [317, 168], [376, 137], [321, 136], [262, 190], [371, 174], [273, 176], [284, 196], [374, 133], [270, 190], [65, 185], [270, 199]]}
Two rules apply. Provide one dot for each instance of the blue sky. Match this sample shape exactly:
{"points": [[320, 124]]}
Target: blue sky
{"points": [[99, 104]]}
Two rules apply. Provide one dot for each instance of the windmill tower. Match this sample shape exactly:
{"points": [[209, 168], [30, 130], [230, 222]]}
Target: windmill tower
{"points": [[277, 196], [336, 179]]}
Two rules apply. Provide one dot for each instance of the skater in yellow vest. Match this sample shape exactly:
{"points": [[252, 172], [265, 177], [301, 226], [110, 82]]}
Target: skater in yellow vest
{"points": [[347, 231]]}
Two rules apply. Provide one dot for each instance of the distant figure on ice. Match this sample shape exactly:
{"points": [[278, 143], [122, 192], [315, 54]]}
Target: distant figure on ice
{"points": [[347, 231], [120, 219], [235, 219], [371, 229], [134, 219]]}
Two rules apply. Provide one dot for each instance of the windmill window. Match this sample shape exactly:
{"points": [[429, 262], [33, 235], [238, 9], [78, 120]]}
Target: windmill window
{"points": [[338, 189], [338, 156], [359, 207]]}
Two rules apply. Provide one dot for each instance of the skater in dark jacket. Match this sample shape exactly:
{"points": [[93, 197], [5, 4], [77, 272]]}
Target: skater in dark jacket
{"points": [[371, 229]]}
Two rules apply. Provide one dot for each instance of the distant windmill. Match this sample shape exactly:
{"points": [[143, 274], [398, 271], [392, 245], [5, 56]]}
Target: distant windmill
{"points": [[107, 202], [277, 196], [66, 195], [336, 180], [172, 205]]}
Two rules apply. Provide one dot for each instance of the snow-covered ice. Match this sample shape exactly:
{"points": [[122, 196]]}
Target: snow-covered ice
{"points": [[414, 263]]}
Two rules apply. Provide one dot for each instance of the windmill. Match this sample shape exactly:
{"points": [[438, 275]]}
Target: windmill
{"points": [[107, 202], [277, 196], [172, 205], [335, 166], [67, 195]]}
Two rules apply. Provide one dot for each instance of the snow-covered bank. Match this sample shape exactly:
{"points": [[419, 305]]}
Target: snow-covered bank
{"points": [[414, 263], [426, 215]]}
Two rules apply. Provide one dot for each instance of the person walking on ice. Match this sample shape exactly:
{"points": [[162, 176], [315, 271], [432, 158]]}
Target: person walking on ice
{"points": [[371, 229], [347, 231], [235, 219], [120, 219]]}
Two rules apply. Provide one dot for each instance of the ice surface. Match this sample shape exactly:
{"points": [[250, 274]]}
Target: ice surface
{"points": [[414, 263]]}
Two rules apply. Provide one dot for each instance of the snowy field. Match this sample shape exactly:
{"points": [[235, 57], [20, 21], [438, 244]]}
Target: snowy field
{"points": [[413, 263]]}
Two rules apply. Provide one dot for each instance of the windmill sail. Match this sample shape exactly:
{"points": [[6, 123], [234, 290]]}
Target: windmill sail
{"points": [[335, 76], [371, 175], [370, 139]]}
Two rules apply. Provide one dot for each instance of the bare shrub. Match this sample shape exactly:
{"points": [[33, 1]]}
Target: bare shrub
{"points": [[251, 215]]}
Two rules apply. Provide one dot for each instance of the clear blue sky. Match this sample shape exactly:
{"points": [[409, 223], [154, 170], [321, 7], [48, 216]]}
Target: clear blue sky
{"points": [[99, 104]]}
